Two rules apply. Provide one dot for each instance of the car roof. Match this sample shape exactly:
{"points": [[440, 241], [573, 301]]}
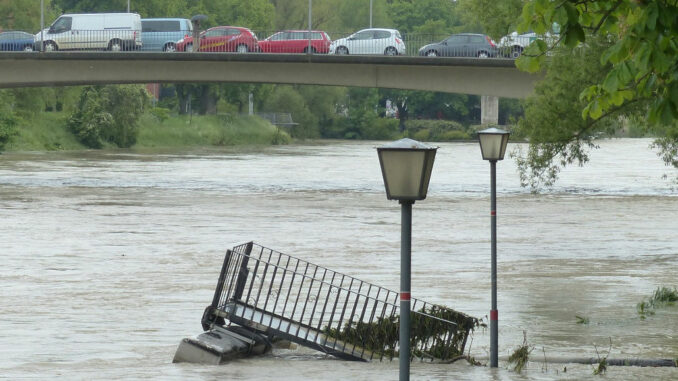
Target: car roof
{"points": [[165, 19], [384, 29], [299, 30], [227, 26]]}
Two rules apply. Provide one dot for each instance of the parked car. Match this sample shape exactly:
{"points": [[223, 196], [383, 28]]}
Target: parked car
{"points": [[93, 31], [370, 41], [16, 41], [296, 41], [462, 45], [222, 39], [162, 34], [512, 45]]}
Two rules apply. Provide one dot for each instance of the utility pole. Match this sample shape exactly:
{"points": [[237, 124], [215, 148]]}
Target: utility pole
{"points": [[42, 25], [370, 13], [310, 14]]}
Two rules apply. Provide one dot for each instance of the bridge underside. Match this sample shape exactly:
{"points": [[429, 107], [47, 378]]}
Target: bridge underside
{"points": [[494, 77]]}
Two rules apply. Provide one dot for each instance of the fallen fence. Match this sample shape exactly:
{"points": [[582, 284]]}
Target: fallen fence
{"points": [[281, 296]]}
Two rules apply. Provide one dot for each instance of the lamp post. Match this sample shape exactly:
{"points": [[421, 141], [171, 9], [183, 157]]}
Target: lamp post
{"points": [[493, 143], [370, 13], [406, 166]]}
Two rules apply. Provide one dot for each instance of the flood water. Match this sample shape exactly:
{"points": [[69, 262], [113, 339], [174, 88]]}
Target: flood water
{"points": [[108, 259]]}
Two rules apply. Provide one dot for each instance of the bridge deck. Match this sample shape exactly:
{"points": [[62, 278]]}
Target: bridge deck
{"points": [[492, 76]]}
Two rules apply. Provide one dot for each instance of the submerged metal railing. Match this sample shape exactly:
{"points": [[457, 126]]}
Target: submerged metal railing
{"points": [[280, 295]]}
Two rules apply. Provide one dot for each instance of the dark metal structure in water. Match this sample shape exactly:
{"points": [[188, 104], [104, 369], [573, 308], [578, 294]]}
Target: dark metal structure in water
{"points": [[278, 296]]}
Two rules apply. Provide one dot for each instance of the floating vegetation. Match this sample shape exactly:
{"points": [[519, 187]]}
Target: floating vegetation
{"points": [[521, 355], [602, 363], [582, 319], [435, 333], [601, 368], [661, 297]]}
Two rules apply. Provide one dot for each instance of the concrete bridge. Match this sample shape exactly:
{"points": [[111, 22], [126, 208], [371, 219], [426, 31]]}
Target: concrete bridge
{"points": [[491, 78], [494, 76]]}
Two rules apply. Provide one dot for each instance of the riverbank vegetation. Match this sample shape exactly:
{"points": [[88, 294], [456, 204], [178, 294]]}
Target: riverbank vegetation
{"points": [[51, 132]]}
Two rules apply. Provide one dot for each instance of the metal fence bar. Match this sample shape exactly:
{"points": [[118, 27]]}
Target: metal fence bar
{"points": [[303, 311], [289, 291], [301, 286], [320, 289]]}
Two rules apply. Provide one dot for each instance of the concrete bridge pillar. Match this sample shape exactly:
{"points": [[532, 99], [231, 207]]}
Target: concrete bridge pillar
{"points": [[489, 110]]}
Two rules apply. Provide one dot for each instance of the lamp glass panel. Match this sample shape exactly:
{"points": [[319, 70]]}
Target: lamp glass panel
{"points": [[403, 171], [491, 147], [504, 144], [430, 158]]}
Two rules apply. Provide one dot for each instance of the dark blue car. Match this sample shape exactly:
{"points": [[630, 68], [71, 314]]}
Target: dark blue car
{"points": [[16, 41]]}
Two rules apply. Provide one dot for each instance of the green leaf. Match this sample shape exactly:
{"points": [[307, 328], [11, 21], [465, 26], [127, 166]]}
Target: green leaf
{"points": [[572, 13], [611, 82], [652, 13], [617, 98]]}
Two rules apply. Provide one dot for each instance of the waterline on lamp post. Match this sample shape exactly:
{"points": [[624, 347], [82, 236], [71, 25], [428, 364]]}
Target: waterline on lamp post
{"points": [[406, 167], [493, 143]]}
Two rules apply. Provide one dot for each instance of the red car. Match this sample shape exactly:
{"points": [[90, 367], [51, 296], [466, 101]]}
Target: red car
{"points": [[296, 41], [222, 39]]}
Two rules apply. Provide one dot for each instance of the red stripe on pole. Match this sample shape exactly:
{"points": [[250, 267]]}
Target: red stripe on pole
{"points": [[404, 296], [493, 213], [494, 315]]}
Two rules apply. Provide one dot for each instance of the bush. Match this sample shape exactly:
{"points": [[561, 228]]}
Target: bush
{"points": [[437, 130], [109, 114], [8, 129], [422, 135], [380, 129], [160, 113]]}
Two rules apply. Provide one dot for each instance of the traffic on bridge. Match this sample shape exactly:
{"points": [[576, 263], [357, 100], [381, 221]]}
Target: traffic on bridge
{"points": [[129, 32]]}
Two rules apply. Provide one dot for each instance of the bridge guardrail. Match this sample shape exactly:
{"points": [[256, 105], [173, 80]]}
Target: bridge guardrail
{"points": [[128, 40]]}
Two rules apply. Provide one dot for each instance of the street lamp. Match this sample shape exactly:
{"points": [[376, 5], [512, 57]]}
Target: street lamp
{"points": [[493, 143], [406, 166]]}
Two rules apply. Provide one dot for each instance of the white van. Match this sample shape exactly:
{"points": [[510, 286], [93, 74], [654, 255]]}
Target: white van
{"points": [[96, 31]]}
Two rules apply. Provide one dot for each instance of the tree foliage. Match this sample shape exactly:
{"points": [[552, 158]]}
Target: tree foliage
{"points": [[558, 135], [496, 18], [641, 59], [109, 114], [16, 15], [7, 119]]}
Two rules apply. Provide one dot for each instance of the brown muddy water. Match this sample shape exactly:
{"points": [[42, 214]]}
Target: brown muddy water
{"points": [[108, 259]]}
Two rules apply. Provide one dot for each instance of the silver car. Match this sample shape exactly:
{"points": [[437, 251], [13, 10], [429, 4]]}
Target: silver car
{"points": [[370, 41]]}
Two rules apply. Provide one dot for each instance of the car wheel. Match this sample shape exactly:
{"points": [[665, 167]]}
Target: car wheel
{"points": [[28, 48], [342, 50], [115, 46], [516, 51], [50, 46], [483, 54], [170, 48], [432, 53], [189, 48], [242, 49], [391, 51], [312, 50]]}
